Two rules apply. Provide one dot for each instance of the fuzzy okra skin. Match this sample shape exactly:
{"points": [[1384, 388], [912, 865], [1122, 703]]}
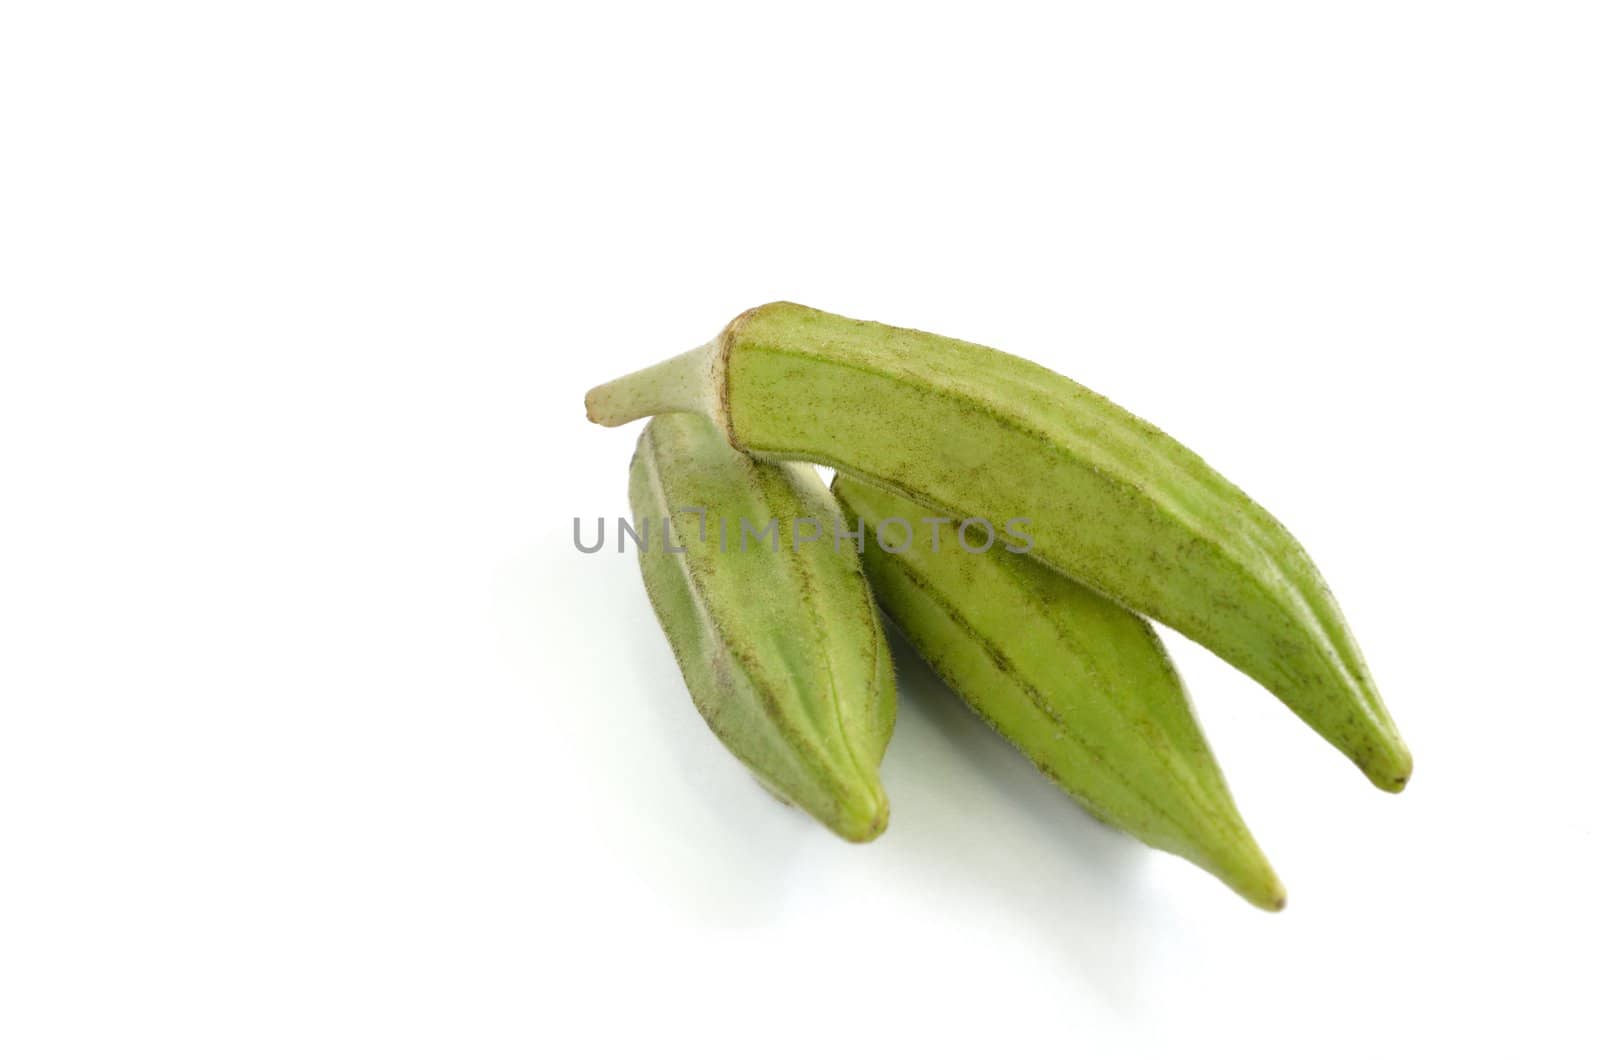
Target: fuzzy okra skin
{"points": [[781, 649], [1080, 685], [1111, 501]]}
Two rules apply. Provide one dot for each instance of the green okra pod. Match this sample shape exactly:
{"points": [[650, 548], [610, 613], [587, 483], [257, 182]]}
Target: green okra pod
{"points": [[1113, 502], [780, 646], [1080, 685]]}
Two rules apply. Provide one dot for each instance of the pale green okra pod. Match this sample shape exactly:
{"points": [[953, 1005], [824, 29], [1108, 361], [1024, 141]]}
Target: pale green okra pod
{"points": [[1080, 685], [781, 649], [1114, 503]]}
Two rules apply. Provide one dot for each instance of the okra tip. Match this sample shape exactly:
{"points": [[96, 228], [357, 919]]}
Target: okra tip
{"points": [[1240, 863], [1392, 771], [1268, 892], [867, 819]]}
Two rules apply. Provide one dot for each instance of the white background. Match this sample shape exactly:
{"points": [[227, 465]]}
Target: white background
{"points": [[319, 738]]}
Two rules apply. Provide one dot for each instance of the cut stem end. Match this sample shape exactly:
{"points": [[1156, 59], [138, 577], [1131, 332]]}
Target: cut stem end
{"points": [[680, 384]]}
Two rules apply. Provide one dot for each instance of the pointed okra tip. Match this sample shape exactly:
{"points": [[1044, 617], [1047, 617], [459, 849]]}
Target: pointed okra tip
{"points": [[1269, 894], [1390, 771], [857, 809], [1245, 869], [864, 816]]}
